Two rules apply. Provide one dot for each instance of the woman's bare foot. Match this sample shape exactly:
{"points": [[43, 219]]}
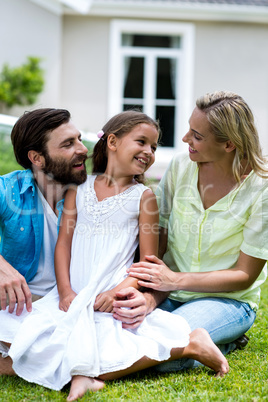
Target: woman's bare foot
{"points": [[203, 349], [81, 384]]}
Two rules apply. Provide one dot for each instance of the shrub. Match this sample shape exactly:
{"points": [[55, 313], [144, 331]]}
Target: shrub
{"points": [[21, 85]]}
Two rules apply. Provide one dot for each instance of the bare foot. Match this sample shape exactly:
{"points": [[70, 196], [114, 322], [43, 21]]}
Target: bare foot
{"points": [[81, 384], [206, 352]]}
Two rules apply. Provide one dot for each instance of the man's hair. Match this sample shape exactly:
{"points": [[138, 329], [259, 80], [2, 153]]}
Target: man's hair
{"points": [[31, 132]]}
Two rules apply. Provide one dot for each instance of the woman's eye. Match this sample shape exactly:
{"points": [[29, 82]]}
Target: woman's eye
{"points": [[197, 137]]}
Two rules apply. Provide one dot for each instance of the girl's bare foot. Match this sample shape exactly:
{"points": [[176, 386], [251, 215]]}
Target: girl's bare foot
{"points": [[81, 384], [203, 349]]}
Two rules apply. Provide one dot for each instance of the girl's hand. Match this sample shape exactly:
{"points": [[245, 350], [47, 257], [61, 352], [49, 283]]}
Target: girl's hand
{"points": [[66, 301], [154, 274], [104, 301]]}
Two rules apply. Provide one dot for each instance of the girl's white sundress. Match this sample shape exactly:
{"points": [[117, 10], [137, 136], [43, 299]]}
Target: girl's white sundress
{"points": [[49, 345]]}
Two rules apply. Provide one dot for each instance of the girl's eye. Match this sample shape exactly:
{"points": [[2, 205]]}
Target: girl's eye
{"points": [[154, 149], [141, 141]]}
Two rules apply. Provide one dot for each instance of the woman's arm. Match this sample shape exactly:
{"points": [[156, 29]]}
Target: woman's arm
{"points": [[148, 244], [242, 276], [62, 257]]}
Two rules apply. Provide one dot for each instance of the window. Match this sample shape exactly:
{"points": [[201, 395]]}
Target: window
{"points": [[151, 69]]}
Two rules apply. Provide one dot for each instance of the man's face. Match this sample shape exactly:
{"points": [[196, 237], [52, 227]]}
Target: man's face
{"points": [[65, 155]]}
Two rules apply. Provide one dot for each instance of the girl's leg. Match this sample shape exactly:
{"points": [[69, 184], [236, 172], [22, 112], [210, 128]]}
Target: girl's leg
{"points": [[224, 319], [81, 384], [200, 347]]}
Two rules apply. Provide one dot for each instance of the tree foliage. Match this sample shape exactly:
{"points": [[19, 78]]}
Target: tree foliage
{"points": [[21, 85]]}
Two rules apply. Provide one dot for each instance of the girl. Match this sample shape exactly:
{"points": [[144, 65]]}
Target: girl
{"points": [[101, 224]]}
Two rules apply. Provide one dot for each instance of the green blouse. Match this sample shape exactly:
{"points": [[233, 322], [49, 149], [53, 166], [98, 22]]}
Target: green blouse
{"points": [[202, 240]]}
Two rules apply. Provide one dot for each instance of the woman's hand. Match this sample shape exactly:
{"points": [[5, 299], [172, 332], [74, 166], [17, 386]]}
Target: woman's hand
{"points": [[104, 301], [154, 274], [66, 300]]}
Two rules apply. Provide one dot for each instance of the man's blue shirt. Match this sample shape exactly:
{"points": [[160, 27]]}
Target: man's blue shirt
{"points": [[21, 221]]}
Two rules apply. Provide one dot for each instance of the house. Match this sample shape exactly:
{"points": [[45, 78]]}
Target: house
{"points": [[103, 56]]}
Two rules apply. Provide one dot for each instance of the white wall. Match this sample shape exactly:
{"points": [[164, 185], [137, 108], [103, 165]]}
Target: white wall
{"points": [[233, 56], [85, 70], [29, 30]]}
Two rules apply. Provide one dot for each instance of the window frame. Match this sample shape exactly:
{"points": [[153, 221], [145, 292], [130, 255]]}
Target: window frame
{"points": [[185, 82]]}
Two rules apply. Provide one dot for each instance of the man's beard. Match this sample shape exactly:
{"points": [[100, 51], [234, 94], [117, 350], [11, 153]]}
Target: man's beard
{"points": [[62, 171]]}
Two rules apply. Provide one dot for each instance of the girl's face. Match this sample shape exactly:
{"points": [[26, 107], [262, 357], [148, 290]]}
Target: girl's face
{"points": [[202, 144], [136, 150]]}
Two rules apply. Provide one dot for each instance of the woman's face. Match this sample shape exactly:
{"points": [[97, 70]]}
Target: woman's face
{"points": [[202, 144]]}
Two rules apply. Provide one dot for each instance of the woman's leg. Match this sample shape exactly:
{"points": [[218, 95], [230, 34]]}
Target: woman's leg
{"points": [[224, 319]]}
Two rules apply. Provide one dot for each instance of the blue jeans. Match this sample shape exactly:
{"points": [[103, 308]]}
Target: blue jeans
{"points": [[224, 319]]}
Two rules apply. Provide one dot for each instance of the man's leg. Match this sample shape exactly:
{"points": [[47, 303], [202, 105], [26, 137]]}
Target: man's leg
{"points": [[224, 319]]}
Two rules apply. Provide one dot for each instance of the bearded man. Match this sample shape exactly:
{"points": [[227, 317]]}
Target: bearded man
{"points": [[48, 145]]}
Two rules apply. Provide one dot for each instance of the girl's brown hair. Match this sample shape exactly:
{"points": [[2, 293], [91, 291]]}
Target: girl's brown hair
{"points": [[119, 125]]}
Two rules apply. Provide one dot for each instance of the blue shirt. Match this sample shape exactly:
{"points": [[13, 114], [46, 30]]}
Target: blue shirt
{"points": [[21, 222]]}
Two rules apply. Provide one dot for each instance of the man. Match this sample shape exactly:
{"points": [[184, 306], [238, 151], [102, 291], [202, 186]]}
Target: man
{"points": [[49, 147]]}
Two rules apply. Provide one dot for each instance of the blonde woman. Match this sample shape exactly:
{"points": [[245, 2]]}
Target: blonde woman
{"points": [[214, 225]]}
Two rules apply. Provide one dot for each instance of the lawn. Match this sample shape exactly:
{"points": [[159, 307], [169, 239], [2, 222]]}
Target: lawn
{"points": [[246, 381]]}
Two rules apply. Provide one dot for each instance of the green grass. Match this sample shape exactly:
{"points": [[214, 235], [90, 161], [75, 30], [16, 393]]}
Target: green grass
{"points": [[246, 381]]}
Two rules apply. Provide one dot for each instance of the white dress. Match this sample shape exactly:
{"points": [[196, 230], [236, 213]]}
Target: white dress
{"points": [[49, 346]]}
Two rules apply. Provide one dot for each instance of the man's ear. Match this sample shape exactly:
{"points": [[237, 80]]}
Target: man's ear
{"points": [[36, 158], [229, 146], [112, 142]]}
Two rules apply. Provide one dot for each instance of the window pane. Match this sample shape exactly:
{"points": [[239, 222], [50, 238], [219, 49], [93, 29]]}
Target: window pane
{"points": [[151, 41], [133, 73], [165, 115], [166, 78], [133, 107]]}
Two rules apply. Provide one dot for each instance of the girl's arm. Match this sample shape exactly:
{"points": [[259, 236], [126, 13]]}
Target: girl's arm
{"points": [[242, 276], [148, 244], [62, 257]]}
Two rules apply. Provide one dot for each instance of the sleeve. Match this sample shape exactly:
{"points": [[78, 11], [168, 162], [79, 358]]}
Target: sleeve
{"points": [[2, 198], [255, 232], [165, 193]]}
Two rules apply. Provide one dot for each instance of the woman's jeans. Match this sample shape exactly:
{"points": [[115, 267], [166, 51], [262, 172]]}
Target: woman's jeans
{"points": [[224, 319]]}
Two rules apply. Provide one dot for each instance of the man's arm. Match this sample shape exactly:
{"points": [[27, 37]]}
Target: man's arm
{"points": [[133, 306], [13, 289]]}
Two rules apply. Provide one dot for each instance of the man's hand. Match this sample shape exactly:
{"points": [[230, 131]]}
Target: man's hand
{"points": [[66, 300], [104, 301], [131, 307], [13, 289]]}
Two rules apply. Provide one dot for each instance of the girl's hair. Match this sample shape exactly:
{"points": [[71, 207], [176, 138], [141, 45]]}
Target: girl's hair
{"points": [[231, 119], [119, 125]]}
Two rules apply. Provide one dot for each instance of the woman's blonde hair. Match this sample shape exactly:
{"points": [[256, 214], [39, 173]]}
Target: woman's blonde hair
{"points": [[231, 119]]}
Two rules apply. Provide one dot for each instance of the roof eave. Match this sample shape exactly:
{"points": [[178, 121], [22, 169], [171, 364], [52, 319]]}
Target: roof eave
{"points": [[182, 11]]}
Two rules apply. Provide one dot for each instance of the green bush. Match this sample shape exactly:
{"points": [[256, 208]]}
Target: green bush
{"points": [[21, 85]]}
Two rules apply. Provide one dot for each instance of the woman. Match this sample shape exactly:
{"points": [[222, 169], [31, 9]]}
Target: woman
{"points": [[214, 222]]}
